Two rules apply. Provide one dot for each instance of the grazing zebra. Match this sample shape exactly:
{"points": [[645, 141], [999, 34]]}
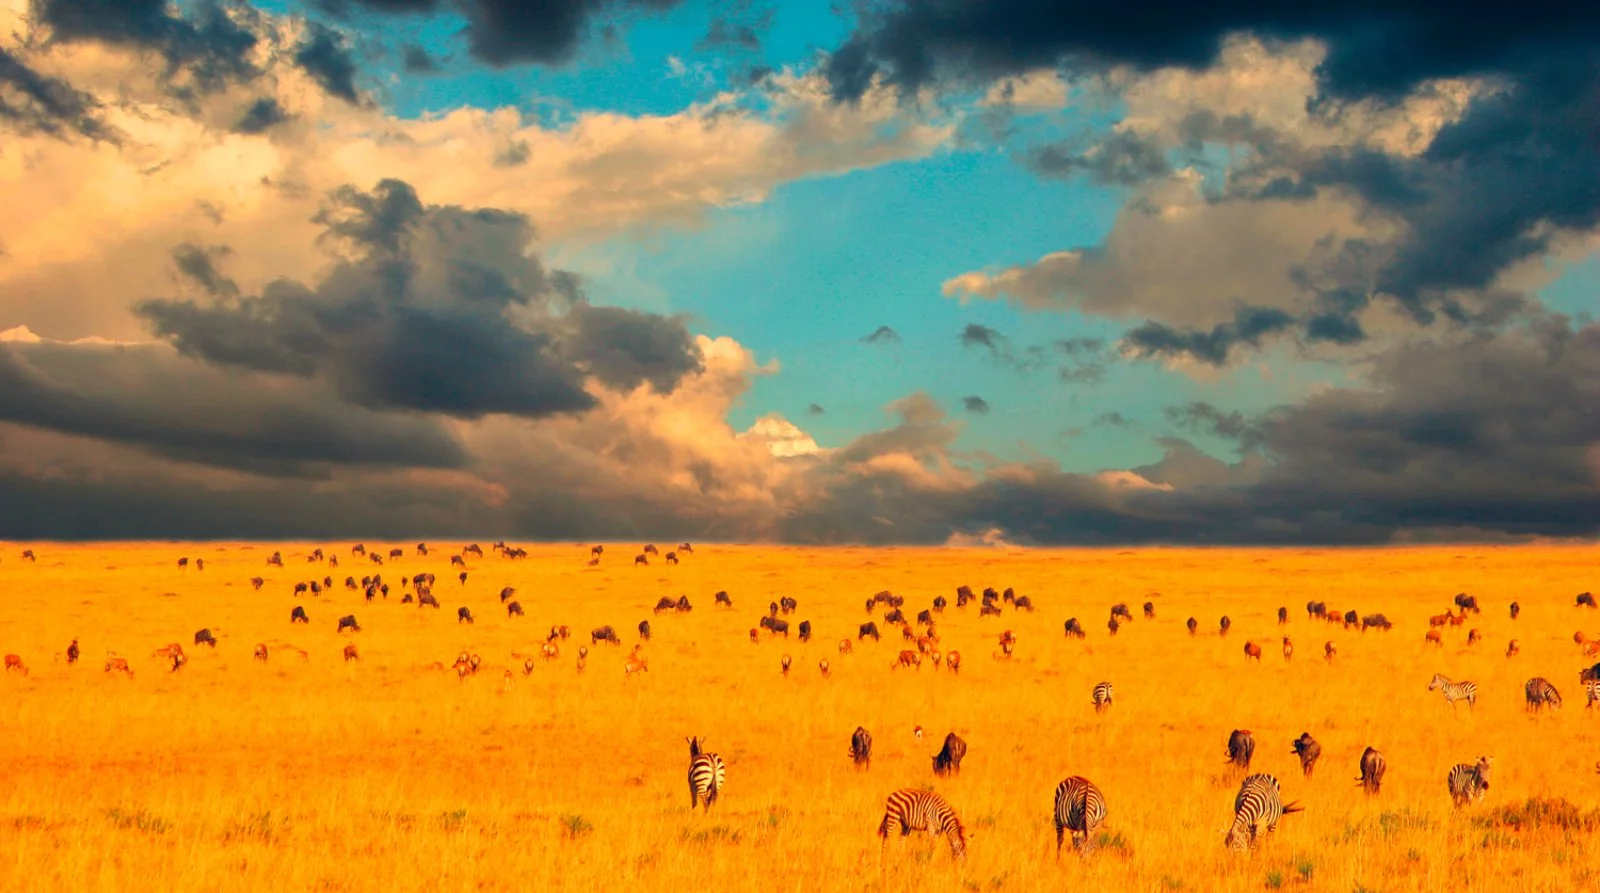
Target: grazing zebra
{"points": [[1308, 750], [910, 810], [1373, 766], [1102, 703], [1259, 805], [1591, 690], [1455, 691], [1469, 781], [1241, 748], [1540, 693], [706, 774], [861, 748], [948, 760], [1080, 808]]}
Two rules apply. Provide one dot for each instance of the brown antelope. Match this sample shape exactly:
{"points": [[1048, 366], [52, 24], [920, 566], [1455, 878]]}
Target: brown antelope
{"points": [[1252, 650], [1288, 648], [907, 659], [1329, 651], [635, 664], [1435, 638], [1474, 637], [527, 666], [845, 645], [952, 661], [550, 651], [823, 666], [168, 651], [1439, 619], [937, 659], [1513, 649], [118, 665], [14, 663], [261, 652], [350, 653]]}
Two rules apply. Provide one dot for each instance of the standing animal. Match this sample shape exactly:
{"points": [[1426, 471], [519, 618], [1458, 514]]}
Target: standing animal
{"points": [[1120, 611], [861, 748], [1468, 782], [1513, 649], [952, 661], [463, 615], [845, 646], [869, 629], [1241, 748], [1102, 700], [1080, 808], [1283, 616], [183, 564], [1149, 610], [604, 634], [910, 810], [1373, 766], [706, 775], [1467, 603], [298, 615], [1540, 694], [1252, 650], [644, 630], [784, 663], [1434, 638], [514, 609], [348, 622], [1515, 610], [350, 653], [1309, 751], [722, 598], [635, 664], [1455, 691], [204, 637], [1192, 624], [1585, 600], [507, 593], [907, 659], [805, 630], [72, 652], [1288, 648], [1224, 625], [261, 652], [1256, 810], [14, 664], [641, 561], [1074, 629], [257, 582], [948, 760]]}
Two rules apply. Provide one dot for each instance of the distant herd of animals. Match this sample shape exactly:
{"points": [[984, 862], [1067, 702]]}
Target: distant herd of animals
{"points": [[1079, 806]]}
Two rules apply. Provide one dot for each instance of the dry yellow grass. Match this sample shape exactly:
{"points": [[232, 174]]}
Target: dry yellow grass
{"points": [[385, 775]]}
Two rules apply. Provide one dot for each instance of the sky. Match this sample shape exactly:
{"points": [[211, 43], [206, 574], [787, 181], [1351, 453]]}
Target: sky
{"points": [[913, 271]]}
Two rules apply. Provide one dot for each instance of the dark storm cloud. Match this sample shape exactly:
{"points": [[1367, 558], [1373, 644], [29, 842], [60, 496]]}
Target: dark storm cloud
{"points": [[417, 60], [1203, 417], [34, 103], [1122, 159], [1076, 360], [436, 308], [740, 25], [199, 265], [882, 335], [326, 56], [510, 32], [261, 116], [1250, 326], [208, 48], [976, 405], [147, 397]]}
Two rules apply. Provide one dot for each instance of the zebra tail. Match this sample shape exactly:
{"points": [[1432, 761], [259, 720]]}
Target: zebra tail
{"points": [[1292, 807]]}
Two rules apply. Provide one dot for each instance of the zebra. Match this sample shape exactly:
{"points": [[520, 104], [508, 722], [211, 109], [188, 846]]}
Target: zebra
{"points": [[1455, 691], [1591, 689], [1540, 692], [909, 809], [1102, 697], [1080, 808], [706, 774], [861, 748], [1372, 768], [1469, 781], [1258, 805]]}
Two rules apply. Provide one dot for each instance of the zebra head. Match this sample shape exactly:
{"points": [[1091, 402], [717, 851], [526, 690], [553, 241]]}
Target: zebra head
{"points": [[1438, 680]]}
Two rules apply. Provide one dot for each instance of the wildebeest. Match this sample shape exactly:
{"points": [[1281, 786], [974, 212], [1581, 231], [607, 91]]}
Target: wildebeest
{"points": [[1513, 649], [686, 548], [861, 748], [183, 564], [805, 630], [348, 622], [1023, 603], [350, 653], [397, 553], [1283, 616], [462, 577], [989, 610], [506, 594], [298, 615], [1515, 610], [1375, 621], [963, 595], [666, 603], [275, 560], [1316, 609], [778, 627], [301, 588], [1224, 625], [14, 664], [204, 637], [72, 652], [1149, 610], [896, 616], [514, 609], [1241, 747], [27, 555], [1120, 611], [316, 587], [1585, 600], [948, 760], [426, 600], [1373, 766], [644, 630], [463, 615], [924, 616], [722, 598], [939, 603], [672, 557], [1467, 602], [1351, 618], [472, 549], [683, 604], [650, 549], [604, 634], [1193, 625], [1112, 626], [257, 583], [422, 548], [1252, 650], [1074, 629], [869, 629], [1308, 750], [639, 560]]}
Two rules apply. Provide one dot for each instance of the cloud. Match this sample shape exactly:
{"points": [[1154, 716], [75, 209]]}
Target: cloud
{"points": [[882, 335], [261, 116], [976, 405], [199, 264], [434, 308], [417, 60], [31, 102], [1076, 360], [815, 409], [1249, 326], [325, 56], [203, 53]]}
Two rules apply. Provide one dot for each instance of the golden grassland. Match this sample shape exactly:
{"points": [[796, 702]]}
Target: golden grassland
{"points": [[384, 774]]}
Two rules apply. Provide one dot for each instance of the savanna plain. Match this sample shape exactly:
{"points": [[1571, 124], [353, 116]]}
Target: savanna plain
{"points": [[389, 773]]}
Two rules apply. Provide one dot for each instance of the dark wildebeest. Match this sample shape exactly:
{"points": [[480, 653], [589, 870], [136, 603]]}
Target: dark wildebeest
{"points": [[1010, 595], [861, 748], [397, 553], [199, 564], [1252, 650], [778, 627], [1585, 600], [989, 609], [604, 634], [316, 588], [183, 564], [514, 609], [457, 561], [1467, 602], [72, 652], [204, 637], [506, 594], [666, 603], [672, 557], [298, 615], [948, 760], [422, 548], [683, 604], [1241, 747], [301, 588], [1149, 610], [1308, 750], [358, 549], [257, 582], [350, 653], [1283, 616], [924, 616], [963, 595], [1074, 629], [869, 629], [375, 558], [650, 549], [596, 551], [27, 555], [1372, 769], [463, 615], [348, 622], [1120, 610], [805, 630], [686, 549], [788, 605], [1515, 610], [426, 600], [1023, 603], [1112, 626], [1224, 625], [898, 616], [644, 630], [275, 560], [722, 598], [1375, 621], [462, 577], [640, 560], [472, 549], [939, 603]]}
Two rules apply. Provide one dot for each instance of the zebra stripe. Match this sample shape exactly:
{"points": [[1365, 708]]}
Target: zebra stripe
{"points": [[1455, 691], [1080, 808], [706, 776], [1540, 693], [910, 810], [1258, 806], [1591, 688], [1469, 781], [1102, 696]]}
